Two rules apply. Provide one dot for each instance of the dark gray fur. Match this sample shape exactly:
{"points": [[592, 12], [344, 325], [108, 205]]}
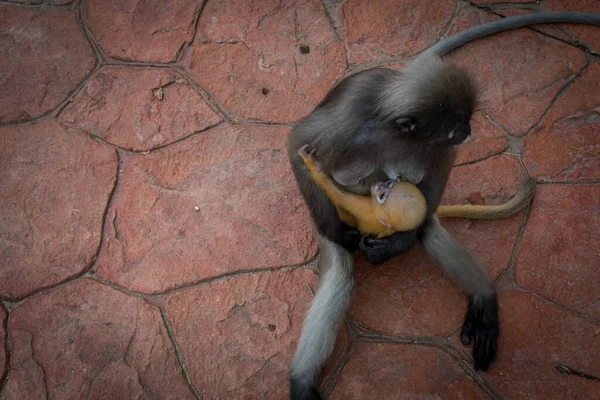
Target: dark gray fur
{"points": [[380, 124]]}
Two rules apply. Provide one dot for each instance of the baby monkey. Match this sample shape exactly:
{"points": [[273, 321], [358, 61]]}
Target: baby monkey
{"points": [[392, 207]]}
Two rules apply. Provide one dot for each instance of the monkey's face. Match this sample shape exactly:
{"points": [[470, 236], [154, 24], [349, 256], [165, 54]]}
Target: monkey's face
{"points": [[381, 190], [444, 104], [442, 126]]}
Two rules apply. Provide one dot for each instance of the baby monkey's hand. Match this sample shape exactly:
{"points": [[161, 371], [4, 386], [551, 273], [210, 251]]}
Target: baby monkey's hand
{"points": [[308, 155]]}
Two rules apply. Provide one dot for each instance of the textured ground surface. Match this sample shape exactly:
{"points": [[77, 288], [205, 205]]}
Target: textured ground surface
{"points": [[154, 244]]}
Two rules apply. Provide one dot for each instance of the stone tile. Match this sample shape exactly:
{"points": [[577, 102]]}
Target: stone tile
{"points": [[43, 56], [585, 33], [565, 147], [3, 333], [253, 57], [535, 337], [123, 107], [56, 183], [250, 213], [90, 340], [400, 371], [238, 335], [493, 181], [152, 31], [486, 140], [566, 151], [560, 252], [410, 294], [520, 72], [394, 28]]}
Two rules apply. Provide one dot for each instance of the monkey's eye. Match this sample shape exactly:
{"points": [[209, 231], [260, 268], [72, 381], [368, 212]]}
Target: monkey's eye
{"points": [[381, 197], [406, 125]]}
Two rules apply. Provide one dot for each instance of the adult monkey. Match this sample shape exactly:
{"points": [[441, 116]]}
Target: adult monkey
{"points": [[382, 124]]}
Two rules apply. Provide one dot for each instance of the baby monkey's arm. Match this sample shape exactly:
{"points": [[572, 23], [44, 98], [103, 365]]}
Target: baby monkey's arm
{"points": [[359, 206]]}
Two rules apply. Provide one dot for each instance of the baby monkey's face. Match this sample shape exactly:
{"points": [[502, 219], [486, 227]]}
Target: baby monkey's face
{"points": [[381, 190]]}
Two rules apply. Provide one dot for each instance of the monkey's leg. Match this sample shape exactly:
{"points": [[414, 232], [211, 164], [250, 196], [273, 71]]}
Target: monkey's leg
{"points": [[323, 320], [481, 321]]}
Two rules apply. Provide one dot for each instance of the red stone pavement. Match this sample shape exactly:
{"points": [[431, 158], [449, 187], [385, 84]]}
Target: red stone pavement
{"points": [[154, 244]]}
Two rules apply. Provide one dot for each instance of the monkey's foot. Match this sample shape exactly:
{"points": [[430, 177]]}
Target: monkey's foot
{"points": [[482, 324], [302, 390]]}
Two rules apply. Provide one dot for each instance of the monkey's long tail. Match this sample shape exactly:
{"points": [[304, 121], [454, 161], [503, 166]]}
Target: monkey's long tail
{"points": [[514, 205], [548, 17], [323, 320]]}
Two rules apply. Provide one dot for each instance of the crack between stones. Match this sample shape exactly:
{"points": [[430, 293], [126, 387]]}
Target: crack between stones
{"points": [[229, 275], [331, 10], [562, 307], [178, 353], [131, 151], [7, 351], [442, 344], [188, 43], [329, 386], [55, 112], [453, 17], [510, 271], [93, 380], [100, 55], [68, 6], [466, 163], [209, 98], [34, 358], [557, 98]]}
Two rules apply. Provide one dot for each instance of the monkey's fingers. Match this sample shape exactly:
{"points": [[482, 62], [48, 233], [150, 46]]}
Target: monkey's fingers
{"points": [[482, 324], [352, 240], [376, 250], [466, 332]]}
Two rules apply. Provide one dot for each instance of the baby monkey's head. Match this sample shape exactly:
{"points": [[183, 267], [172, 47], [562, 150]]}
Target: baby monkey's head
{"points": [[401, 205]]}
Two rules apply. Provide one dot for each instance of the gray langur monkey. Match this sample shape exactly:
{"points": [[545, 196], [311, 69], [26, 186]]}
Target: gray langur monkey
{"points": [[382, 124]]}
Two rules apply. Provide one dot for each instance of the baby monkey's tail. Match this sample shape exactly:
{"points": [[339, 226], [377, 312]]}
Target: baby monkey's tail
{"points": [[514, 205]]}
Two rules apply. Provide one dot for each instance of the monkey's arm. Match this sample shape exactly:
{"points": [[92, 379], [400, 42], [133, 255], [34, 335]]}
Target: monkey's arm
{"points": [[481, 321], [323, 212], [379, 250], [360, 207]]}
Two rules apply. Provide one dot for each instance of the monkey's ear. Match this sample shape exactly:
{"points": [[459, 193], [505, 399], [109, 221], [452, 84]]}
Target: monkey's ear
{"points": [[406, 125]]}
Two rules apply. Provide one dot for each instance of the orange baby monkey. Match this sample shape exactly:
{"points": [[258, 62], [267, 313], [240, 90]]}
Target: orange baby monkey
{"points": [[393, 206]]}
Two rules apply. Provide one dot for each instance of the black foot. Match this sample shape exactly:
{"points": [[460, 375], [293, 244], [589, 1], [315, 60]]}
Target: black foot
{"points": [[482, 324], [302, 390]]}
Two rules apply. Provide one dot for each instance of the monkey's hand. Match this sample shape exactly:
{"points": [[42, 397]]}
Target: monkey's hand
{"points": [[482, 324], [352, 239], [379, 250], [308, 155]]}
